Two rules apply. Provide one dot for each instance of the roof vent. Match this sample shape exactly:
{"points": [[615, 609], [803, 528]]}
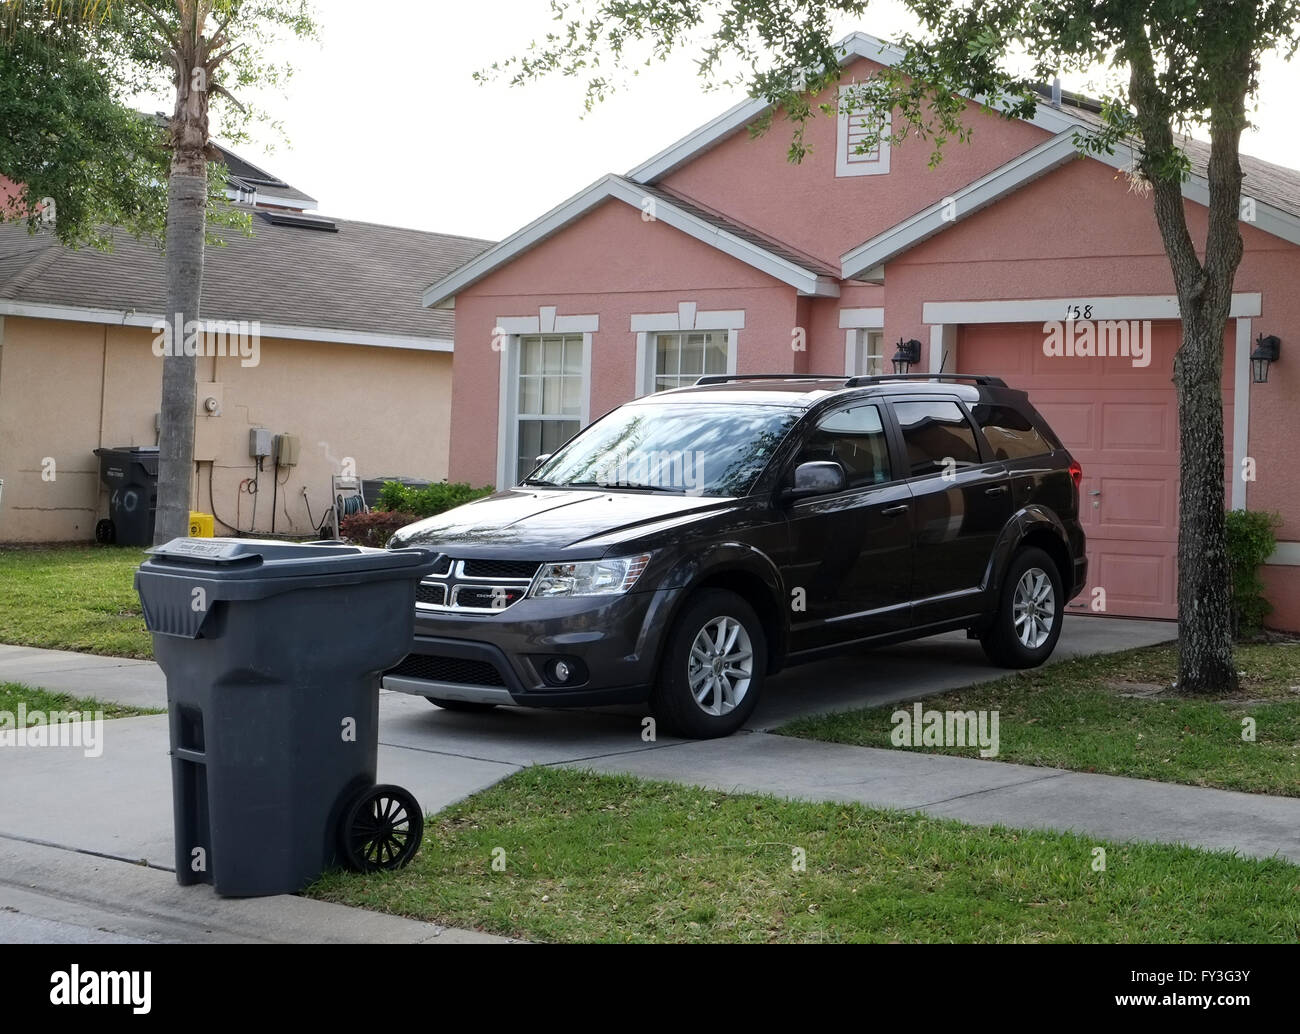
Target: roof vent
{"points": [[300, 220]]}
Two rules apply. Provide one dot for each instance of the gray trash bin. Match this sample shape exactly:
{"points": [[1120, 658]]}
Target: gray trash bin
{"points": [[272, 653], [130, 473]]}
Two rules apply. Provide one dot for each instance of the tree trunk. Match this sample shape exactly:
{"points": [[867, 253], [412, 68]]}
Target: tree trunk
{"points": [[187, 194], [186, 200], [1205, 662]]}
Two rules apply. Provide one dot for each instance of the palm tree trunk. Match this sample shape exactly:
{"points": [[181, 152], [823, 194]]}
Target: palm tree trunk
{"points": [[186, 200], [187, 192]]}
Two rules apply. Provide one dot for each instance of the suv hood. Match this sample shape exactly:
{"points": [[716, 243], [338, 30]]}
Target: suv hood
{"points": [[526, 520]]}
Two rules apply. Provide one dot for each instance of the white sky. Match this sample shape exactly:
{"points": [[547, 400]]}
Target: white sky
{"points": [[385, 123]]}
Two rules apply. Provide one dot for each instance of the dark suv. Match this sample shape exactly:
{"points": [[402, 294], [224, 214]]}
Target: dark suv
{"points": [[689, 544]]}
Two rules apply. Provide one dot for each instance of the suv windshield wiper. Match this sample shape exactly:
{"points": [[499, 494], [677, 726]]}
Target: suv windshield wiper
{"points": [[539, 481], [620, 484]]}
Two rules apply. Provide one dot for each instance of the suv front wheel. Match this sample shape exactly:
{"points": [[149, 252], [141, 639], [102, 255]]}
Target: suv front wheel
{"points": [[712, 668], [1030, 610]]}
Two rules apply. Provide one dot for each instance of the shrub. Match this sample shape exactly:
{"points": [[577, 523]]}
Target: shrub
{"points": [[374, 528], [427, 501], [1250, 541]]}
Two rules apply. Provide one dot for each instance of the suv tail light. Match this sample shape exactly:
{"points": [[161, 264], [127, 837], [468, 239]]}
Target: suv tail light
{"points": [[1076, 472]]}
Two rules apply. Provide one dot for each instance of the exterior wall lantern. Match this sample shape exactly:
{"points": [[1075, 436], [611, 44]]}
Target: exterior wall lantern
{"points": [[908, 354], [1266, 352]]}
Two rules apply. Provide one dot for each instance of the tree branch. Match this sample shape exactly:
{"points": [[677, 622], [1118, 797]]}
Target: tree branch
{"points": [[1154, 121]]}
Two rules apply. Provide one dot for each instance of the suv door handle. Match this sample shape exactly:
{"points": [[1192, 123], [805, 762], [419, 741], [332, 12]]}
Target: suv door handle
{"points": [[995, 490], [894, 511]]}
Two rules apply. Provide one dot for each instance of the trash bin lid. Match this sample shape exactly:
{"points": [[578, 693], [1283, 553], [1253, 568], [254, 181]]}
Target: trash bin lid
{"points": [[238, 559]]}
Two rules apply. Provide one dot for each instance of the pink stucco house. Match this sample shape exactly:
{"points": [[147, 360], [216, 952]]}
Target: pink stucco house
{"points": [[717, 255]]}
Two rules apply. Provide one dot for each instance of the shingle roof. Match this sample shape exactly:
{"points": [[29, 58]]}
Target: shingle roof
{"points": [[1273, 184], [245, 173], [746, 233], [365, 277]]}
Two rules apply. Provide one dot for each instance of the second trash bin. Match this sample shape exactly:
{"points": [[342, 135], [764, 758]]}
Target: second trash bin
{"points": [[130, 473], [272, 653]]}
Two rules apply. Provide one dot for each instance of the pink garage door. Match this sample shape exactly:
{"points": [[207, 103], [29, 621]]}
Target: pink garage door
{"points": [[1120, 422]]}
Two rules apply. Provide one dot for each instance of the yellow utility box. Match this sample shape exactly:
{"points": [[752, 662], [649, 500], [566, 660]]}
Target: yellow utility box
{"points": [[201, 525]]}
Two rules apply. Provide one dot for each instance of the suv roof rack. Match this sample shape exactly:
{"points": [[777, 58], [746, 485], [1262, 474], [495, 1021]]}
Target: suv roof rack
{"points": [[723, 378], [853, 382], [978, 378]]}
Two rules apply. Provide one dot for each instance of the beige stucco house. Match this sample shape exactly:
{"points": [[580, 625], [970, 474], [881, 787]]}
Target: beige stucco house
{"points": [[337, 350]]}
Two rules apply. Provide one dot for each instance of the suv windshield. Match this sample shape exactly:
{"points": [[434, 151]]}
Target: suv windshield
{"points": [[692, 448]]}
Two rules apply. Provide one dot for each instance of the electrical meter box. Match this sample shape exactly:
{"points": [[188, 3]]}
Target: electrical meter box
{"points": [[259, 442], [286, 450]]}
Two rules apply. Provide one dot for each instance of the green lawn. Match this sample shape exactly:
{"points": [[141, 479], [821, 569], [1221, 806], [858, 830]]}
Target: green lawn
{"points": [[73, 598], [14, 693], [1114, 714], [611, 858]]}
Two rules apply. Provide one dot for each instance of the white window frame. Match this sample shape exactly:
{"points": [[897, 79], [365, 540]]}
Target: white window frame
{"points": [[688, 317], [857, 165], [857, 324], [508, 331]]}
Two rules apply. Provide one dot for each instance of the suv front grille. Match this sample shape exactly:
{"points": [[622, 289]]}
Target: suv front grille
{"points": [[500, 569], [487, 586], [431, 592], [457, 670]]}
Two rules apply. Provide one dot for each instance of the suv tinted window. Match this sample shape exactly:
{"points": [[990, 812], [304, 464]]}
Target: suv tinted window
{"points": [[855, 439], [1010, 434], [934, 433]]}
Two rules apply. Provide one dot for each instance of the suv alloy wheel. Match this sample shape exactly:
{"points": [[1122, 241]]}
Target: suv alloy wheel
{"points": [[712, 669], [1030, 610]]}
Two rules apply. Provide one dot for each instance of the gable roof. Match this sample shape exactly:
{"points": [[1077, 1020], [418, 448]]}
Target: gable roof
{"points": [[360, 285], [802, 272], [244, 178], [1274, 189], [857, 46]]}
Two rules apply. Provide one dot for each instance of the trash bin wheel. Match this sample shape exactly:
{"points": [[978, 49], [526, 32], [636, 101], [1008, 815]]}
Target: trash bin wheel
{"points": [[381, 829], [469, 706], [105, 532]]}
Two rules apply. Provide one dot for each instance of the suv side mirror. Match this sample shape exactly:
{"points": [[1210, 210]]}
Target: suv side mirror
{"points": [[541, 459], [819, 477]]}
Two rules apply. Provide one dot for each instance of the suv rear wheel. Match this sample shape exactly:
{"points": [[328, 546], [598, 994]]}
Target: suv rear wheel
{"points": [[712, 669], [1030, 610]]}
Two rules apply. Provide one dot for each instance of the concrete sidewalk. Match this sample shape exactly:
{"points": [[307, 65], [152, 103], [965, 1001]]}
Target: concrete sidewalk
{"points": [[51, 895], [983, 793]]}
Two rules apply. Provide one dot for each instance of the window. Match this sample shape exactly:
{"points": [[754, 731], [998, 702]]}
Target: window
{"points": [[1010, 434], [937, 435], [855, 439], [684, 357], [869, 353], [853, 156], [549, 397], [657, 445]]}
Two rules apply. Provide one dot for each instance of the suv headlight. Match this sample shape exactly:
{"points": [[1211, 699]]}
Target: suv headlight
{"points": [[589, 577]]}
